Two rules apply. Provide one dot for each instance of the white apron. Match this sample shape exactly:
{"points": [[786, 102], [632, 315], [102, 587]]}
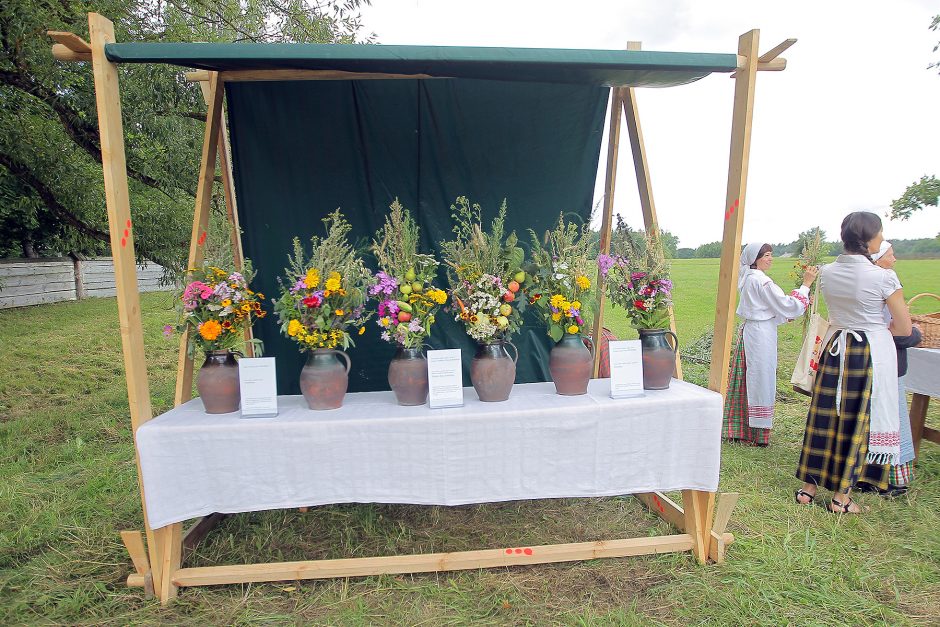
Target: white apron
{"points": [[760, 354], [884, 441]]}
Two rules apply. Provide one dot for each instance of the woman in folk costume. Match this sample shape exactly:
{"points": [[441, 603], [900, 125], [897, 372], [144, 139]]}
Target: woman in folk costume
{"points": [[853, 415], [752, 385], [900, 476]]}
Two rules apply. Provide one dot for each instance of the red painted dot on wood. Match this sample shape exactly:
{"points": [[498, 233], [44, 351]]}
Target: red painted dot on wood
{"points": [[527, 551], [508, 551], [202, 238], [518, 551], [123, 242], [128, 223], [736, 203], [126, 232]]}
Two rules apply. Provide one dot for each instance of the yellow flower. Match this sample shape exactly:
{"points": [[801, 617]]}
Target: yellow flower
{"points": [[332, 283], [226, 302], [312, 279], [384, 321], [246, 307], [339, 312], [576, 304], [572, 329], [438, 296], [556, 316], [210, 329], [557, 301], [294, 327], [362, 330], [583, 282]]}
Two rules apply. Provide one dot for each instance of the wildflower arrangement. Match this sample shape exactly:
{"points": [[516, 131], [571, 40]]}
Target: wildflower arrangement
{"points": [[812, 254], [560, 274], [216, 307], [407, 299], [324, 294], [637, 280], [485, 272]]}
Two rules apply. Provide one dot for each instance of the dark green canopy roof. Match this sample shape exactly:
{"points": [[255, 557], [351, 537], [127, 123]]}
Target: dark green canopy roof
{"points": [[547, 65]]}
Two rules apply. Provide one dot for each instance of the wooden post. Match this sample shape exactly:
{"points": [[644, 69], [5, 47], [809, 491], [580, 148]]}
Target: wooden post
{"points": [[698, 507], [121, 227], [644, 186], [918, 414], [734, 211], [613, 148], [184, 371]]}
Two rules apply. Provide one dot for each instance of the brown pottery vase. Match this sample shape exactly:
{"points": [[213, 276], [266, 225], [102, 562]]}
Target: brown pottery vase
{"points": [[659, 358], [217, 382], [408, 376], [570, 363], [493, 371], [323, 379]]}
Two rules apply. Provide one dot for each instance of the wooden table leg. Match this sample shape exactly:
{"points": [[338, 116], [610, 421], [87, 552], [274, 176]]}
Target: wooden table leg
{"points": [[699, 507], [171, 541], [918, 414]]}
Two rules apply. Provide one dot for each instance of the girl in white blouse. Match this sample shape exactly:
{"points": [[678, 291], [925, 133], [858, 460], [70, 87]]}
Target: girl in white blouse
{"points": [[853, 417], [752, 385]]}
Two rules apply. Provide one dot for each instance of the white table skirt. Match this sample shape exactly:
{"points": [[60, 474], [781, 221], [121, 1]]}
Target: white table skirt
{"points": [[535, 445], [923, 371]]}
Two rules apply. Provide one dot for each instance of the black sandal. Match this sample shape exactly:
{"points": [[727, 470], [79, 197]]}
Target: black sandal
{"points": [[799, 493], [845, 508]]}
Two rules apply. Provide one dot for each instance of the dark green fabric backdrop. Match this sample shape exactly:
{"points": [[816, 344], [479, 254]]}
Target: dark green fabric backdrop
{"points": [[303, 148]]}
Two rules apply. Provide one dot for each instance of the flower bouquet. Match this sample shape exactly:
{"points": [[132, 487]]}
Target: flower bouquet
{"points": [[485, 273], [322, 296], [216, 307], [637, 280], [559, 285], [408, 302], [812, 253]]}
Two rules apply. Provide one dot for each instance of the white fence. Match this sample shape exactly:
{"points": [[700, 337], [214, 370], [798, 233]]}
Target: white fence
{"points": [[36, 281]]}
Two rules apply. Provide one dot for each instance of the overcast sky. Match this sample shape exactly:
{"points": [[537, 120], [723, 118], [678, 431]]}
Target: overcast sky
{"points": [[848, 125]]}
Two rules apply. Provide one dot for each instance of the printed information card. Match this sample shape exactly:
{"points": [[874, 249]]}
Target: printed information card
{"points": [[626, 369], [445, 378], [258, 387]]}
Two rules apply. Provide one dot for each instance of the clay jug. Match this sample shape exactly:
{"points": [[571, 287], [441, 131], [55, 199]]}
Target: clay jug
{"points": [[217, 382], [323, 379], [659, 358], [408, 376], [570, 363], [493, 371]]}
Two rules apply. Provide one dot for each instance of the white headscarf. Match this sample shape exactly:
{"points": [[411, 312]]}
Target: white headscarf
{"points": [[748, 256], [885, 245]]}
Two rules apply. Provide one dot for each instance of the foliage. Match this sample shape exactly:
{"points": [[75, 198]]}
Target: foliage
{"points": [[559, 277], [813, 248], [50, 150], [637, 281], [483, 268], [711, 250], [935, 25], [918, 195], [216, 307], [324, 293], [408, 301]]}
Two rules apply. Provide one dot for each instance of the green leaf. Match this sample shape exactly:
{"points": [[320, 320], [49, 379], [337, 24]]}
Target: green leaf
{"points": [[555, 332]]}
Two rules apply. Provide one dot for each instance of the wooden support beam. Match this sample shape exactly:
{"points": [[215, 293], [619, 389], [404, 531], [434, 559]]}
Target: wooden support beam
{"points": [[668, 510], [430, 562], [733, 213], [121, 227], [613, 148], [631, 114], [171, 559], [210, 145], [775, 52], [698, 507], [664, 507], [726, 505], [70, 40], [134, 543], [195, 534], [918, 413], [63, 53]]}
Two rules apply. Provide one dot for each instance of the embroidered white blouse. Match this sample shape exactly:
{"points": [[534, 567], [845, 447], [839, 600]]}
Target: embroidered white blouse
{"points": [[855, 290], [762, 299]]}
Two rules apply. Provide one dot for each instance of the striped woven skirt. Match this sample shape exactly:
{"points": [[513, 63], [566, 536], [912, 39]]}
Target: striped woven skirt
{"points": [[835, 443], [736, 425]]}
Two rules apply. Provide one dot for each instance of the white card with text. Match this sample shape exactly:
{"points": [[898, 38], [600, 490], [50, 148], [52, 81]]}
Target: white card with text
{"points": [[626, 369], [445, 378], [258, 385]]}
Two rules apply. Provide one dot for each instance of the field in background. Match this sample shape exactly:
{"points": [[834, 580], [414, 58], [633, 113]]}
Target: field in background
{"points": [[68, 484]]}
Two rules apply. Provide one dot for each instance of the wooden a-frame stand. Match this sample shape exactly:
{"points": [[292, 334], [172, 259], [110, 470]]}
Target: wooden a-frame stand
{"points": [[158, 562]]}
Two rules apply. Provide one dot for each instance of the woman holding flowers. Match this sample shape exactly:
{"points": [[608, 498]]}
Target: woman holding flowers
{"points": [[752, 384]]}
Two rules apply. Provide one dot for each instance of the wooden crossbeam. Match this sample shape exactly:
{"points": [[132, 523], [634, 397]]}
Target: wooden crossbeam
{"points": [[776, 51], [70, 40], [768, 61], [430, 562], [671, 512]]}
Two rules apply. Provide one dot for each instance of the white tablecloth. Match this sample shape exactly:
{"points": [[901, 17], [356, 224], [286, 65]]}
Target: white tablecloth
{"points": [[923, 371], [535, 445]]}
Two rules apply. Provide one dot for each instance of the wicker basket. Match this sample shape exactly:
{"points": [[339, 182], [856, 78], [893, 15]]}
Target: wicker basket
{"points": [[929, 324]]}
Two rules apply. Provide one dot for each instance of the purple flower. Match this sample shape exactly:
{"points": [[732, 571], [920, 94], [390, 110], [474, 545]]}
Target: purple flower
{"points": [[638, 275], [386, 336], [388, 307], [167, 330], [299, 286], [605, 263], [414, 326], [386, 285]]}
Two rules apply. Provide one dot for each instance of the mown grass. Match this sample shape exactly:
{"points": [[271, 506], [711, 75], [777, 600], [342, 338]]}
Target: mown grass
{"points": [[68, 483]]}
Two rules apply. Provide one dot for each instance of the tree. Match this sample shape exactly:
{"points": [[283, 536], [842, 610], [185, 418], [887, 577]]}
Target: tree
{"points": [[935, 25], [685, 253], [712, 250], [51, 192], [918, 195]]}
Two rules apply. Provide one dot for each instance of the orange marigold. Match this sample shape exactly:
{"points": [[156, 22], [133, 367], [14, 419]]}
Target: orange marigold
{"points": [[210, 329]]}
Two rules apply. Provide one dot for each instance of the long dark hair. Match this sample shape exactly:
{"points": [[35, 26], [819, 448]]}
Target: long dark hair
{"points": [[760, 253], [859, 228]]}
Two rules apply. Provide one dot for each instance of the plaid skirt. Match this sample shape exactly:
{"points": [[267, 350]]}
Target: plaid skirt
{"points": [[888, 474], [736, 425], [835, 443]]}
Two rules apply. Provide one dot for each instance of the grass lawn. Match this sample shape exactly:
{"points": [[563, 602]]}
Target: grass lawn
{"points": [[68, 484]]}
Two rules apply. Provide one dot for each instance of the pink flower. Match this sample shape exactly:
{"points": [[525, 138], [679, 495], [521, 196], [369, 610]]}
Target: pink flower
{"points": [[167, 330]]}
